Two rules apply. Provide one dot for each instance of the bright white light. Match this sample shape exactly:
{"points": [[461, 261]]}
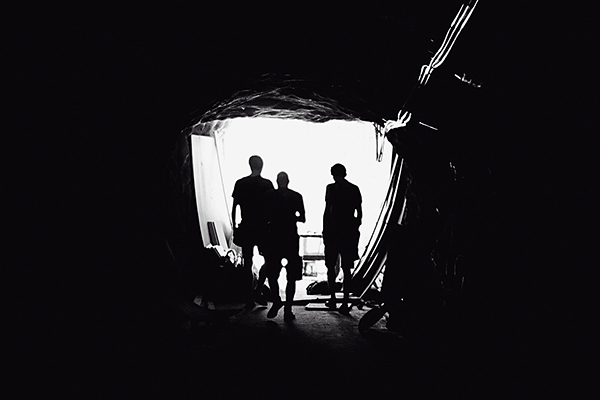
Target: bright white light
{"points": [[284, 262], [257, 261], [306, 151]]}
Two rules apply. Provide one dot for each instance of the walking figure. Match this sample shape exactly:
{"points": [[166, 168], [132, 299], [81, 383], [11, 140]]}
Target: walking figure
{"points": [[285, 209], [341, 221], [249, 194]]}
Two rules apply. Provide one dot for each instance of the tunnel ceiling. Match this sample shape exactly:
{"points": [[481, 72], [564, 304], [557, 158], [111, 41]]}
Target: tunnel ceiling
{"points": [[295, 98], [340, 61], [310, 61]]}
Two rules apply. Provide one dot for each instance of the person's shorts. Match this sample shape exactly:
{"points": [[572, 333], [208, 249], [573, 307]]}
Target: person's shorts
{"points": [[288, 251], [345, 245], [294, 268], [248, 236]]}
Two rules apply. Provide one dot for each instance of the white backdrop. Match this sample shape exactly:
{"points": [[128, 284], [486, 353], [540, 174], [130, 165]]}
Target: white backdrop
{"points": [[306, 151]]}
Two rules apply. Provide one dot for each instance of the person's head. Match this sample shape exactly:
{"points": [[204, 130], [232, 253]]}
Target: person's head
{"points": [[256, 164], [338, 171], [282, 180]]}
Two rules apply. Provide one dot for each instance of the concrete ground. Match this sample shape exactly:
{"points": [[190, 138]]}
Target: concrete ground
{"points": [[320, 353]]}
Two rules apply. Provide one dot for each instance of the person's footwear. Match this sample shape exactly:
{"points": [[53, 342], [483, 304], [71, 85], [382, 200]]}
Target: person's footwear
{"points": [[274, 309], [288, 316], [260, 299], [344, 309], [330, 304]]}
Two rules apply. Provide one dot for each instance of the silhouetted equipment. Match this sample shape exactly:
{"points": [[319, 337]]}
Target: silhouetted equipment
{"points": [[212, 232], [373, 260], [321, 287]]}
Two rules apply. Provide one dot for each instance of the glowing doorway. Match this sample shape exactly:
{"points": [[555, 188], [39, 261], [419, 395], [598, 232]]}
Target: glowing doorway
{"points": [[305, 150]]}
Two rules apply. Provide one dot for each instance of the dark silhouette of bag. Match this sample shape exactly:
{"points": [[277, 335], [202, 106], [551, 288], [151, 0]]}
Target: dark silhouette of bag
{"points": [[322, 287]]}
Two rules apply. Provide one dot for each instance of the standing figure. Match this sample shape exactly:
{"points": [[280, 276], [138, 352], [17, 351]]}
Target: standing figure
{"points": [[341, 221], [285, 209], [249, 194]]}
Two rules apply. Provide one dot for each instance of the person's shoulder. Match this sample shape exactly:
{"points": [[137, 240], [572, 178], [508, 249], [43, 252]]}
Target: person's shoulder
{"points": [[329, 189], [240, 185], [243, 180], [357, 191], [353, 186], [266, 181]]}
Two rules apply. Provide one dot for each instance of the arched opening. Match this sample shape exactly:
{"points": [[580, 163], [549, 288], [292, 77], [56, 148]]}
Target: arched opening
{"points": [[319, 101], [206, 149], [305, 150]]}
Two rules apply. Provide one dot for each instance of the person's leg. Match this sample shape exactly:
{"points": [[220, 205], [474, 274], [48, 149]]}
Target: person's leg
{"points": [[290, 291], [274, 285], [331, 257], [247, 254], [262, 278], [294, 273], [273, 276], [347, 264], [331, 276], [264, 247]]}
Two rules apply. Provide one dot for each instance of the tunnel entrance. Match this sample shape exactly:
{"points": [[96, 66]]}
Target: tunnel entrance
{"points": [[305, 150]]}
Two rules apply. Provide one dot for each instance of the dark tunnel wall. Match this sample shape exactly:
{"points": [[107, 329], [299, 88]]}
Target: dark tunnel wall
{"points": [[99, 97]]}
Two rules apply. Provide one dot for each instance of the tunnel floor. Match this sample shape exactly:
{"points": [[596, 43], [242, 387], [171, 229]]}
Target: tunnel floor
{"points": [[320, 353]]}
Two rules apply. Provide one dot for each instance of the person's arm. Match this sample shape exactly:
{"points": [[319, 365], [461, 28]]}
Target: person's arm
{"points": [[233, 212], [236, 202], [326, 214], [359, 209], [301, 217]]}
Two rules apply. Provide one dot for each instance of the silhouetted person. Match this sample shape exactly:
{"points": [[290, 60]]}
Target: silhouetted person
{"points": [[285, 209], [249, 194], [341, 220]]}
